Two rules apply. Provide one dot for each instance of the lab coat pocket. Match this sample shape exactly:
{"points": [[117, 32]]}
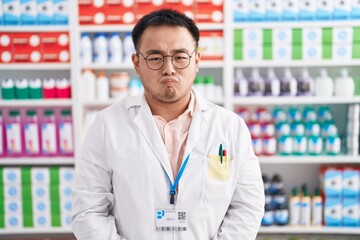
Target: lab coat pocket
{"points": [[217, 183]]}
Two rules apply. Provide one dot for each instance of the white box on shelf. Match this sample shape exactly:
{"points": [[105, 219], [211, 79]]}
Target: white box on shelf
{"points": [[66, 175], [311, 35], [252, 35], [45, 11], [11, 175], [351, 183], [311, 51], [28, 12], [342, 9], [333, 212], [40, 191], [332, 178], [291, 9], [282, 52], [41, 213], [325, 9], [40, 175], [274, 10], [342, 51], [343, 35], [281, 35], [307, 9], [241, 10], [257, 10], [11, 12], [351, 212], [13, 221], [12, 191], [252, 52], [355, 10]]}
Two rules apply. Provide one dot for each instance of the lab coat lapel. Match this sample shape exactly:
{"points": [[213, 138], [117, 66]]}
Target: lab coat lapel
{"points": [[146, 124]]}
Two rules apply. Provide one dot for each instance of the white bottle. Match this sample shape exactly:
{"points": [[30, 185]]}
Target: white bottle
{"points": [[305, 84], [240, 83], [86, 49], [100, 48], [129, 48], [102, 87], [324, 85], [344, 85], [115, 48], [88, 82], [272, 84]]}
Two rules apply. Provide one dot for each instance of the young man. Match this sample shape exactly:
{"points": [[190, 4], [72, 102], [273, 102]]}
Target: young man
{"points": [[167, 164]]}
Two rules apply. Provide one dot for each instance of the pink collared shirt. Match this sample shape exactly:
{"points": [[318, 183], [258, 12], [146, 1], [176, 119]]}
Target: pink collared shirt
{"points": [[175, 133]]}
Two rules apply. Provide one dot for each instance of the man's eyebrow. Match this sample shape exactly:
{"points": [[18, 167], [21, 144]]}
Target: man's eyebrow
{"points": [[156, 51]]}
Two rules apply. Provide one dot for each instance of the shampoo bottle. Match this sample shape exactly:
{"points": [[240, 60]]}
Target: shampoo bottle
{"points": [[317, 208], [14, 136], [324, 85], [288, 84], [31, 133], [305, 207], [295, 207], [256, 84], [272, 84], [344, 84], [240, 83]]}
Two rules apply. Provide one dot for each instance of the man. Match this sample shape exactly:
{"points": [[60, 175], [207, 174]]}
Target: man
{"points": [[167, 164]]}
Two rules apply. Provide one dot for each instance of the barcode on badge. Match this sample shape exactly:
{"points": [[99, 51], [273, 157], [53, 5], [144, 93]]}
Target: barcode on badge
{"points": [[171, 229], [182, 216]]}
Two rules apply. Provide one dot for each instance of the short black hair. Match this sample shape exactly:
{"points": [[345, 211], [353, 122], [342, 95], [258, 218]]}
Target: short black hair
{"points": [[164, 17]]}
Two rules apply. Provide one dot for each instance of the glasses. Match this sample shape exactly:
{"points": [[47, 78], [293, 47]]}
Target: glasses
{"points": [[179, 60]]}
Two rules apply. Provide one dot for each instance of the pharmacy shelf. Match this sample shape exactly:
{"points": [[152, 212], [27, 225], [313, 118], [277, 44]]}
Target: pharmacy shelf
{"points": [[296, 63], [35, 231], [297, 24], [307, 159], [35, 28], [309, 230], [130, 66], [36, 161], [36, 103], [35, 66], [282, 100], [129, 27]]}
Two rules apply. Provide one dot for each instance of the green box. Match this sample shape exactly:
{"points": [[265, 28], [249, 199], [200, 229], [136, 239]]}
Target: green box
{"points": [[267, 36], [327, 36], [238, 36], [238, 52], [356, 34], [356, 50], [267, 52], [296, 52], [296, 36], [327, 51]]}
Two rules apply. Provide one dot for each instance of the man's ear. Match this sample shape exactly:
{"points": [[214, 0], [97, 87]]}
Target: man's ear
{"points": [[135, 60]]}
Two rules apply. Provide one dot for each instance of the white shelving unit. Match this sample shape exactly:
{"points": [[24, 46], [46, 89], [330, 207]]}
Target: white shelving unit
{"points": [[294, 169]]}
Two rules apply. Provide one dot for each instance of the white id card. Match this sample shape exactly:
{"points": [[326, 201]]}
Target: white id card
{"points": [[171, 219]]}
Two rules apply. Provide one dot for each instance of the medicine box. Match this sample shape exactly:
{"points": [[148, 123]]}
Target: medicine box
{"points": [[61, 12], [28, 12], [241, 10], [351, 183], [45, 10], [333, 212], [355, 10], [351, 212], [291, 10], [342, 9], [332, 182], [307, 10], [325, 9], [11, 12], [274, 10], [257, 10]]}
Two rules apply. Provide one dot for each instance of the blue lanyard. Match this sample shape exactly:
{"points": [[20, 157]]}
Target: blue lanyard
{"points": [[173, 186]]}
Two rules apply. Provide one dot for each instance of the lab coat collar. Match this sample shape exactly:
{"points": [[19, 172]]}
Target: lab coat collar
{"points": [[147, 126]]}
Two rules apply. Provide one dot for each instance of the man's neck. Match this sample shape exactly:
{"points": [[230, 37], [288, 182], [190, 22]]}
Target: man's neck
{"points": [[168, 111]]}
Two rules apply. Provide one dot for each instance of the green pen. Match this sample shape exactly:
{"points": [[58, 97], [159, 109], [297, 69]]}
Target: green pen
{"points": [[221, 153]]}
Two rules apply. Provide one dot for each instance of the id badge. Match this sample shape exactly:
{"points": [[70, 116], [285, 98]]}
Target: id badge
{"points": [[170, 219]]}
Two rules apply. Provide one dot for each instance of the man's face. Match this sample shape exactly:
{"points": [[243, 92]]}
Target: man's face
{"points": [[168, 84]]}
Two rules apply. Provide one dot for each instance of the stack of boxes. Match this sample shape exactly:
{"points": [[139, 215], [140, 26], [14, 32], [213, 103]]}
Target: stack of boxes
{"points": [[37, 197], [284, 44], [341, 186]]}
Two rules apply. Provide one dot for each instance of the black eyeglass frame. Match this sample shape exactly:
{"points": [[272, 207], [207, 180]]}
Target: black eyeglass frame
{"points": [[165, 56]]}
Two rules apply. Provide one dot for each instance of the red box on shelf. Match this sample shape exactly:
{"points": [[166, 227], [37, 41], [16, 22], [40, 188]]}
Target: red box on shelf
{"points": [[209, 11], [143, 7], [120, 14], [55, 47], [186, 7], [211, 45], [27, 47], [6, 48], [90, 14]]}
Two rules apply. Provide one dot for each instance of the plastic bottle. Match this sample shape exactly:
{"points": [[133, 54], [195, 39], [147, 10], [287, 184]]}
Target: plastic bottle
{"points": [[305, 207], [295, 207], [135, 86], [2, 136], [324, 85], [272, 84], [14, 136], [7, 89], [31, 133], [276, 183], [86, 49], [129, 48], [256, 83], [299, 144], [49, 88], [240, 83], [48, 134], [102, 87], [288, 84], [66, 146], [35, 88], [115, 48], [268, 218], [119, 82], [317, 208], [199, 85], [21, 88], [100, 48], [344, 85], [87, 83], [305, 84], [267, 183], [281, 215], [63, 88]]}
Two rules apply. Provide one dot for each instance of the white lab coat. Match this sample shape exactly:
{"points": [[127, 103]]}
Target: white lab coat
{"points": [[122, 176]]}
